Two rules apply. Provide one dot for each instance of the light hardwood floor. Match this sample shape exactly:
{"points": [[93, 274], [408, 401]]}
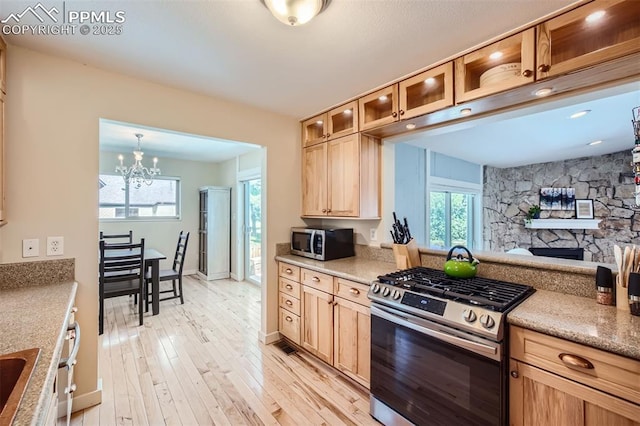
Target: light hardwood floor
{"points": [[201, 363]]}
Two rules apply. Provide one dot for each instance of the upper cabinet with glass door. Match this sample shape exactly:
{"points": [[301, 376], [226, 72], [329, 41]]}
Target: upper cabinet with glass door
{"points": [[428, 91], [593, 33], [338, 122], [499, 66]]}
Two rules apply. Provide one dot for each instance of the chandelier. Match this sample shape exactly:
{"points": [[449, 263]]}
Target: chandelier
{"points": [[137, 174], [295, 12]]}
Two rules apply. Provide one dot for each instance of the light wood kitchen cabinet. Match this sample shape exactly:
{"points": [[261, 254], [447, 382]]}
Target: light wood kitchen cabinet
{"points": [[3, 66], [289, 290], [591, 34], [317, 323], [420, 94], [2, 165], [497, 67], [333, 124], [341, 178], [556, 382], [333, 319], [352, 330]]}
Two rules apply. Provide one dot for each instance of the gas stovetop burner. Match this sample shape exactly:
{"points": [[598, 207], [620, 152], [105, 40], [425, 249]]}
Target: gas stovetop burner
{"points": [[490, 294]]}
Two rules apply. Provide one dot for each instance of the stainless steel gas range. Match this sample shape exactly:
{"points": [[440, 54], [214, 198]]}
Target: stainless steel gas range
{"points": [[438, 353]]}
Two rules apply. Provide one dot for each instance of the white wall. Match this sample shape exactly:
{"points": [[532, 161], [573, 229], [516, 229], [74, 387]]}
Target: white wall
{"points": [[53, 107], [163, 234]]}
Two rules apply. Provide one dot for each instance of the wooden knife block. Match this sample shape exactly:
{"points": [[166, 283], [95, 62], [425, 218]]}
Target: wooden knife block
{"points": [[407, 255]]}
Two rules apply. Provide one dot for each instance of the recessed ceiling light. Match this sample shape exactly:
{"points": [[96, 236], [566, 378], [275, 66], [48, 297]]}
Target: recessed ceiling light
{"points": [[465, 111], [496, 55], [580, 113], [382, 98], [595, 16], [347, 111], [595, 143], [545, 91], [410, 126], [319, 122], [430, 81]]}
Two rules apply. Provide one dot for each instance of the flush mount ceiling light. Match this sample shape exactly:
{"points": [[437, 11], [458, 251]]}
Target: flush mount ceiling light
{"points": [[295, 12], [137, 174]]}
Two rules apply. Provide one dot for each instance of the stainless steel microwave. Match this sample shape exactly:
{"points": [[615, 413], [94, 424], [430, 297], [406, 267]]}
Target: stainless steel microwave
{"points": [[322, 243]]}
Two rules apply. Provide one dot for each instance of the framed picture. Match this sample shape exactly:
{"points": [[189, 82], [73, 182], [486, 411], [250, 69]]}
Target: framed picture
{"points": [[584, 209], [557, 198]]}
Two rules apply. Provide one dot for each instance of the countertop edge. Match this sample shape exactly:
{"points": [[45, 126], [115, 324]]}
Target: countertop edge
{"points": [[337, 267]]}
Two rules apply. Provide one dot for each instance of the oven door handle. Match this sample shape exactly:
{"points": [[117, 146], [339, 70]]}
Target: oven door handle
{"points": [[475, 347]]}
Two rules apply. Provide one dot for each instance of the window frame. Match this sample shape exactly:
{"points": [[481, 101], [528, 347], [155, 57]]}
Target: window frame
{"points": [[127, 205], [474, 211]]}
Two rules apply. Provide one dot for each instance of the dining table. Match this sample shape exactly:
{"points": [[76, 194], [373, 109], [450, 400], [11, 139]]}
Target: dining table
{"points": [[152, 258]]}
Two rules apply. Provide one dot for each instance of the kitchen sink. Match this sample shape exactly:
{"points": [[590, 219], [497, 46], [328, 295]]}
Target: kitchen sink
{"points": [[15, 371]]}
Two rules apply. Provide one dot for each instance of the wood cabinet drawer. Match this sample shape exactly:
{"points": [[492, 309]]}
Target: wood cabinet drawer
{"points": [[351, 290], [289, 287], [289, 271], [290, 303], [289, 326], [317, 280], [599, 369]]}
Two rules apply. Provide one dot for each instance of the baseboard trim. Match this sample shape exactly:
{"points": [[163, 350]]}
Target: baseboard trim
{"points": [[270, 338], [82, 402], [234, 277], [190, 272]]}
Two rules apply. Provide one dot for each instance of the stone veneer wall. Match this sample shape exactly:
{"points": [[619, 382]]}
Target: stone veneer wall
{"points": [[509, 192]]}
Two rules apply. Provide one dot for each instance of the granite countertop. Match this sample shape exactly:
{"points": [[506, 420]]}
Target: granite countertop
{"points": [[580, 320], [350, 268], [36, 317], [574, 318]]}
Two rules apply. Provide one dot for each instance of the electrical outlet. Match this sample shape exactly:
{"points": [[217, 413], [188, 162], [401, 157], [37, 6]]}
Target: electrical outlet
{"points": [[31, 247], [55, 246], [373, 234]]}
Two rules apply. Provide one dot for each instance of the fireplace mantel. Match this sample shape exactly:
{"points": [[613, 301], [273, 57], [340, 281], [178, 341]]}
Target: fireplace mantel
{"points": [[563, 223]]}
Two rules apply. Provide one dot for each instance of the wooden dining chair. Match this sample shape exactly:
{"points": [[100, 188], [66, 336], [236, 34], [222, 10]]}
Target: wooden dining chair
{"points": [[117, 238], [121, 274], [174, 274]]}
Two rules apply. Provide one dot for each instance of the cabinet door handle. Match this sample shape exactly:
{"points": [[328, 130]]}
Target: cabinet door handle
{"points": [[571, 360], [324, 210], [515, 374], [394, 114], [330, 302], [315, 279], [289, 271], [328, 134], [288, 318], [68, 362], [544, 68], [289, 287], [527, 73], [354, 291], [401, 112], [288, 303]]}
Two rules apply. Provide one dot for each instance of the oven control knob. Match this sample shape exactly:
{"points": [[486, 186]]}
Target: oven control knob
{"points": [[396, 295], [469, 316], [375, 288], [386, 291], [487, 322]]}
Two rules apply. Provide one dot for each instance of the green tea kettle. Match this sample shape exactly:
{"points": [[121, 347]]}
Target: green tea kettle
{"points": [[460, 267]]}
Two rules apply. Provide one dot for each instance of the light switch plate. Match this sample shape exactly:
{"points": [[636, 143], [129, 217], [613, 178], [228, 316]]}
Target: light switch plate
{"points": [[31, 247]]}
